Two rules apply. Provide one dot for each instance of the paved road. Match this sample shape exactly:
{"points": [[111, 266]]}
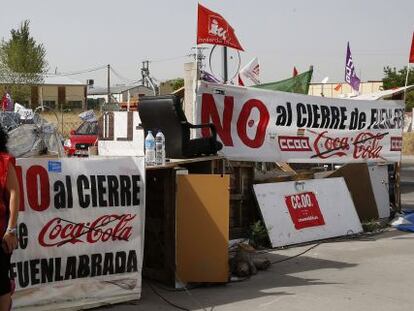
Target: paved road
{"points": [[368, 274]]}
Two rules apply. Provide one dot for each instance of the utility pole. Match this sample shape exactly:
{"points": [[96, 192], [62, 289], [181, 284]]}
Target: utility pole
{"points": [[145, 72], [109, 84], [199, 58], [146, 77]]}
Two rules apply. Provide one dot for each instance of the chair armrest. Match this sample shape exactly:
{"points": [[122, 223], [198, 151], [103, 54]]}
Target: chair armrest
{"points": [[210, 125]]}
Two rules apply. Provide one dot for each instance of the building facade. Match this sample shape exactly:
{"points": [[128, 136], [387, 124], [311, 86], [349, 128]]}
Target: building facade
{"points": [[56, 92], [119, 93], [343, 90]]}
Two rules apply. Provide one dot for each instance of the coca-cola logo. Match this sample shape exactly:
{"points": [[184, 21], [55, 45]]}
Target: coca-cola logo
{"points": [[58, 231], [365, 145], [327, 147]]}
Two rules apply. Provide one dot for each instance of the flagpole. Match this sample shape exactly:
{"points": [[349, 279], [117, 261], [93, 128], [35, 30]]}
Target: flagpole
{"points": [[198, 63], [406, 81], [225, 71]]}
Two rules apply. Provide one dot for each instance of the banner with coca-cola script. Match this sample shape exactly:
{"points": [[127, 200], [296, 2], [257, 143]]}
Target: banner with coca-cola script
{"points": [[80, 231], [262, 125]]}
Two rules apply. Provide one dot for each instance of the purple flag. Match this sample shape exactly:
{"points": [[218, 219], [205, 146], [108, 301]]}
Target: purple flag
{"points": [[205, 76], [350, 75]]}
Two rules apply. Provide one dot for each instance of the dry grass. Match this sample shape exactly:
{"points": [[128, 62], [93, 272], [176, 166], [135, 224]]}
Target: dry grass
{"points": [[71, 121], [408, 143]]}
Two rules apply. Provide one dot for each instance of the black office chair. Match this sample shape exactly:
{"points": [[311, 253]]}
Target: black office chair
{"points": [[165, 113]]}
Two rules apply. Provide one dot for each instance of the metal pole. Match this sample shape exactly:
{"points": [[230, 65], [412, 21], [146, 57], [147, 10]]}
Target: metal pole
{"points": [[61, 113], [109, 84], [225, 69], [41, 98], [143, 74], [129, 100], [406, 81], [198, 74]]}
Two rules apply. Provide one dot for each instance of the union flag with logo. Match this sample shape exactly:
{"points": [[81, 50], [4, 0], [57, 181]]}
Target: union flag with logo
{"points": [[212, 28]]}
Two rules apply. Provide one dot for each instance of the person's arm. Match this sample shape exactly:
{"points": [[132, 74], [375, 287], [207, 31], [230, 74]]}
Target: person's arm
{"points": [[12, 185]]}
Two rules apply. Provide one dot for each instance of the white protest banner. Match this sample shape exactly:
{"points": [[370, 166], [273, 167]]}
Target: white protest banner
{"points": [[309, 210], [80, 230], [262, 125]]}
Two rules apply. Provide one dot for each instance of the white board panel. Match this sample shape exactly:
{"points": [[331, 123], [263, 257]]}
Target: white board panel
{"points": [[309, 210], [121, 135], [379, 182]]}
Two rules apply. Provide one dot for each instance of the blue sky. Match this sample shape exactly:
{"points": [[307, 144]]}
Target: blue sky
{"points": [[81, 34]]}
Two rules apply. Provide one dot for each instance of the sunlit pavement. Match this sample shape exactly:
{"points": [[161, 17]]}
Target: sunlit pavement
{"points": [[373, 273]]}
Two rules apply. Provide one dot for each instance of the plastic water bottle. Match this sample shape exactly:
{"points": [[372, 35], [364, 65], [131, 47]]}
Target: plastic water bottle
{"points": [[160, 148], [149, 149]]}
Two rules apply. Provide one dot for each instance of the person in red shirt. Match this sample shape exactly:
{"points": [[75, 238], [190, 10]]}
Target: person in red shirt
{"points": [[9, 207], [4, 102]]}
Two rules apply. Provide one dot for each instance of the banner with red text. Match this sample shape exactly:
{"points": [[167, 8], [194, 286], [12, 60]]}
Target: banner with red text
{"points": [[261, 125], [81, 232]]}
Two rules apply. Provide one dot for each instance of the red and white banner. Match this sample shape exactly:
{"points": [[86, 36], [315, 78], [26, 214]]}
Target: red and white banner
{"points": [[81, 230], [261, 125], [308, 210], [212, 28]]}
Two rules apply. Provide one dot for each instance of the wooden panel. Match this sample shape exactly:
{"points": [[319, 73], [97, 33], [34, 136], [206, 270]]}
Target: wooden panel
{"points": [[357, 179], [202, 226], [243, 209]]}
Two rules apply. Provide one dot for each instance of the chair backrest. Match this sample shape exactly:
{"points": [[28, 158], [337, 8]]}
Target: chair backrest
{"points": [[165, 113]]}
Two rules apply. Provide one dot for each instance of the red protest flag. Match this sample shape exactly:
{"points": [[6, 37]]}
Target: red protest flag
{"points": [[338, 87], [295, 72], [212, 28], [411, 59]]}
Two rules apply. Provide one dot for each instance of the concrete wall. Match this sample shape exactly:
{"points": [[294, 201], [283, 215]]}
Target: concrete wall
{"points": [[190, 79]]}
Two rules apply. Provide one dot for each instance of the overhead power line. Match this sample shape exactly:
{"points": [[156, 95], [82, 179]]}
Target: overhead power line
{"points": [[168, 59], [121, 77], [73, 73]]}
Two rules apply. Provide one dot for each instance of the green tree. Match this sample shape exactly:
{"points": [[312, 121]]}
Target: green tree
{"points": [[22, 62], [393, 78], [177, 83]]}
